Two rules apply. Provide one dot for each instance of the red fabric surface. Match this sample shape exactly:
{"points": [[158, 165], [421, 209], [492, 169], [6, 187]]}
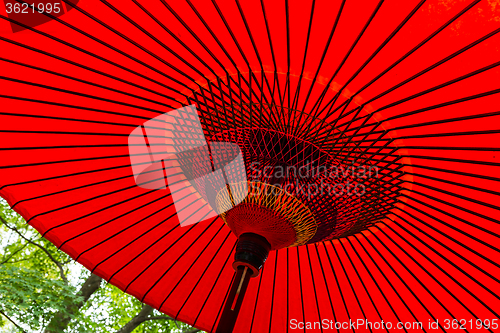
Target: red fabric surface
{"points": [[74, 88]]}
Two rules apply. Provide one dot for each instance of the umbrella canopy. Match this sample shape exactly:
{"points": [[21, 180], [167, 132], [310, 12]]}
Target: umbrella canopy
{"points": [[407, 88]]}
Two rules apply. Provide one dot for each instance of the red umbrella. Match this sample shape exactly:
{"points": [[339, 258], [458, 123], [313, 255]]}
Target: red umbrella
{"points": [[408, 89]]}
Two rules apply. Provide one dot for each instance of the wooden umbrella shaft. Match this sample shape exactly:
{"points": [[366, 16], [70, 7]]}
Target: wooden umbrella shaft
{"points": [[234, 301], [251, 253]]}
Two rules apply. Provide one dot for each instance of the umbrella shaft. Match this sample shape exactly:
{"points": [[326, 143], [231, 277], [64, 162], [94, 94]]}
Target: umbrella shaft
{"points": [[234, 300]]}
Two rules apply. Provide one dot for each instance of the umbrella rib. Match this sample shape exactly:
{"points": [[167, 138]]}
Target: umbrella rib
{"points": [[149, 247], [407, 270], [433, 277], [250, 72], [97, 56], [297, 91], [481, 70], [224, 300], [455, 229], [163, 253], [91, 213], [160, 59], [229, 78], [325, 50], [205, 270], [314, 284], [378, 284], [86, 82], [73, 119], [326, 284], [398, 276], [125, 229], [256, 297], [274, 63], [381, 46], [444, 257], [347, 55], [93, 70], [422, 43], [300, 288], [350, 284], [187, 270], [364, 286], [337, 281], [213, 286], [24, 99], [78, 94], [274, 290]]}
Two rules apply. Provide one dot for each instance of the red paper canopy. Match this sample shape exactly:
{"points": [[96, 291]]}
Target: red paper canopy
{"points": [[409, 86]]}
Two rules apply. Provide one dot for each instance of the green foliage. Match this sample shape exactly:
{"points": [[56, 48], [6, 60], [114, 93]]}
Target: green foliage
{"points": [[109, 309], [31, 287], [37, 281], [31, 298]]}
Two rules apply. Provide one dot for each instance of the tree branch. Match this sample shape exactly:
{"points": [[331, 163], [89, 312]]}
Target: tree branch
{"points": [[192, 330], [159, 318], [19, 327], [61, 319], [58, 263], [145, 315], [141, 317], [13, 254]]}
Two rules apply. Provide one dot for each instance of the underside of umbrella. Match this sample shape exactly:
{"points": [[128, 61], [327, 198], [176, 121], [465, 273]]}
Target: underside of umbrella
{"points": [[396, 100]]}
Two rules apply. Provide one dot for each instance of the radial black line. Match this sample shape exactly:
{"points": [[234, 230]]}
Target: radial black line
{"points": [[432, 276], [205, 270], [167, 219], [129, 227], [72, 119], [432, 35], [337, 283], [314, 287], [381, 46], [326, 284], [93, 212], [353, 45], [93, 54], [274, 290], [457, 230], [117, 218], [90, 69], [179, 257], [361, 280], [256, 297], [84, 81], [250, 72], [224, 300], [297, 91], [24, 99], [174, 242], [300, 288], [407, 270], [397, 275], [213, 286], [325, 50], [377, 284], [446, 258], [349, 281], [163, 45], [78, 94]]}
